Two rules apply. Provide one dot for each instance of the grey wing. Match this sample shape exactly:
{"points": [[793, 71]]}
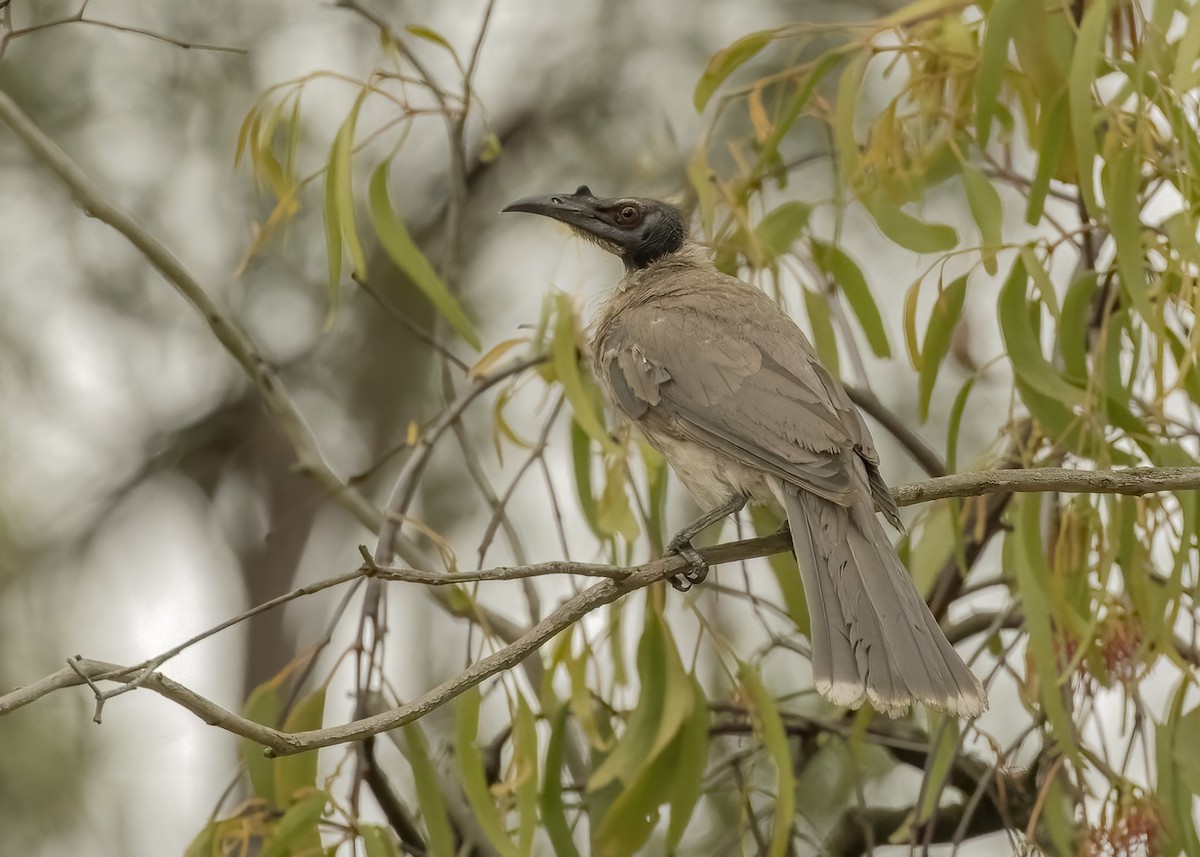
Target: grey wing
{"points": [[733, 373]]}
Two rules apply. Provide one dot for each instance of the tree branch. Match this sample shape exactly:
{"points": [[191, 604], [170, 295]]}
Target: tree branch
{"points": [[620, 582]]}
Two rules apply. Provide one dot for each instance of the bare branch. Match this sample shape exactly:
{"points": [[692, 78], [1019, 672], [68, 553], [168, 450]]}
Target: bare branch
{"points": [[619, 582], [1133, 481]]}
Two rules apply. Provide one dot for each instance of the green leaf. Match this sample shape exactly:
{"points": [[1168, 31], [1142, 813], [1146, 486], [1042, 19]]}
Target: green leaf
{"points": [[783, 565], [665, 704], [1172, 791], [1025, 555], [937, 768], [1124, 216], [954, 423], [769, 725], [646, 759], [851, 283], [1041, 281], [264, 706], [906, 230], [1185, 76], [726, 61], [820, 319], [1074, 330], [299, 821], [938, 335], [792, 110], [1024, 346], [688, 774], [377, 842], [431, 35], [564, 358], [440, 841], [844, 140], [298, 772], [407, 256], [581, 458], [984, 201], [614, 514], [204, 843], [1088, 50], [525, 764], [1053, 144], [474, 783], [554, 816], [780, 228], [998, 30], [339, 193]]}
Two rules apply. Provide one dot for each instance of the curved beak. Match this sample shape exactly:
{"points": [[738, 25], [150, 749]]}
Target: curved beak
{"points": [[577, 209]]}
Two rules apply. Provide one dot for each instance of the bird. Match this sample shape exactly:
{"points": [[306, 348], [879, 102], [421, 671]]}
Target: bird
{"points": [[721, 381]]}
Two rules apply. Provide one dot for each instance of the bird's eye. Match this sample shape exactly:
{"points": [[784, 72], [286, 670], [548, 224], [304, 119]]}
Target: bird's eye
{"points": [[628, 214]]}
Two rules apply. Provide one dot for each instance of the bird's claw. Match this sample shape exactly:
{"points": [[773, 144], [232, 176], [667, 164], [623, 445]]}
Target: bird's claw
{"points": [[698, 567]]}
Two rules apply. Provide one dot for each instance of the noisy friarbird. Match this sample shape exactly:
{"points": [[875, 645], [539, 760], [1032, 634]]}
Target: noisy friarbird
{"points": [[721, 381]]}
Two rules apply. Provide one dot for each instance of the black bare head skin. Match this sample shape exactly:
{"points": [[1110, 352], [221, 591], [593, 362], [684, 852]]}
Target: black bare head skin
{"points": [[640, 231]]}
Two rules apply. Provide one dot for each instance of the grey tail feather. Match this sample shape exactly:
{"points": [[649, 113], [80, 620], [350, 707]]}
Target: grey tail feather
{"points": [[873, 637]]}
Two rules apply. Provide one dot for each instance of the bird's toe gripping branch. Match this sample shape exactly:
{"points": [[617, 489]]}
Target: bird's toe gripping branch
{"points": [[681, 544]]}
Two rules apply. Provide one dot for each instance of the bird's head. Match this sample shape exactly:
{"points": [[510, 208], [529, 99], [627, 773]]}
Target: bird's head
{"points": [[640, 231]]}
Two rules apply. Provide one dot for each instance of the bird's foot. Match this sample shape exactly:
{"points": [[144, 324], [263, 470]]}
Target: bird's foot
{"points": [[698, 567]]}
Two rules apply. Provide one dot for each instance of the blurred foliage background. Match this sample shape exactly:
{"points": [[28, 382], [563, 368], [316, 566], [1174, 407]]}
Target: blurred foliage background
{"points": [[982, 212]]}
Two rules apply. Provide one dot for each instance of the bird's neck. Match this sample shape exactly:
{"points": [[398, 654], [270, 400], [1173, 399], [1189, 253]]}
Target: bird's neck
{"points": [[691, 254]]}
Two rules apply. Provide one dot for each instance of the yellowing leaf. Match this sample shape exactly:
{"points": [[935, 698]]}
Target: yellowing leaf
{"points": [[726, 61], [407, 256]]}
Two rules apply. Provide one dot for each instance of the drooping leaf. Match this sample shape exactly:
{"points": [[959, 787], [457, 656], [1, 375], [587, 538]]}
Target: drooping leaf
{"points": [[264, 705], [769, 726], [937, 769], [1084, 59], [564, 359], [407, 256], [850, 282], [299, 822], [377, 842], [1024, 552], [525, 773], [820, 319], [998, 30], [554, 816], [938, 335], [295, 773], [909, 232], [984, 202], [440, 835], [341, 227], [781, 227], [1054, 139], [1023, 344], [726, 61], [474, 782]]}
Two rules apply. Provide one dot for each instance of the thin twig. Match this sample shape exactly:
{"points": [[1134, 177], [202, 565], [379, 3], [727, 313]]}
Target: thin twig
{"points": [[619, 582]]}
